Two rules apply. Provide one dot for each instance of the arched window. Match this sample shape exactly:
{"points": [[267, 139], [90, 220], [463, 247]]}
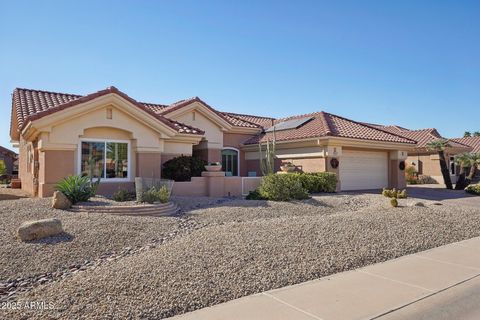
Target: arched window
{"points": [[230, 163]]}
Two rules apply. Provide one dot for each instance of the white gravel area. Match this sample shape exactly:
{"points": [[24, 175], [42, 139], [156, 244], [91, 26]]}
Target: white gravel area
{"points": [[87, 236], [247, 247]]}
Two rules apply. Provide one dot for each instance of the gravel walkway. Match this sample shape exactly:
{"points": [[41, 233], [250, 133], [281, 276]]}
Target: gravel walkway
{"points": [[248, 247]]}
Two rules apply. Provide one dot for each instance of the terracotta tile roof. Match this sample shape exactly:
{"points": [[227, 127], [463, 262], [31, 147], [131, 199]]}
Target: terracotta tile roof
{"points": [[232, 119], [257, 121], [473, 142], [421, 136], [325, 124], [28, 104]]}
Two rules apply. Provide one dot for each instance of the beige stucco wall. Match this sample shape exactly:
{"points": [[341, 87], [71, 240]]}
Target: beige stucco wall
{"points": [[25, 173], [69, 131], [213, 133], [54, 166]]}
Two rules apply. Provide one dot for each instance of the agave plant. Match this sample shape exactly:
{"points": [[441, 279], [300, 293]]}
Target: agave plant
{"points": [[440, 145], [76, 188]]}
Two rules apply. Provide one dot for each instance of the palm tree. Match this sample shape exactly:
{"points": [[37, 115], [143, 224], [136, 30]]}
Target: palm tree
{"points": [[467, 134], [476, 134], [440, 145], [475, 162], [465, 161]]}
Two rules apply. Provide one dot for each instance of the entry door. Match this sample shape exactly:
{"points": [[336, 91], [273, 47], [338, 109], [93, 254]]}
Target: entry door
{"points": [[230, 162]]}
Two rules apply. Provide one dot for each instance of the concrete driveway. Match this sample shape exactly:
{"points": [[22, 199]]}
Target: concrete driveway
{"points": [[437, 192]]}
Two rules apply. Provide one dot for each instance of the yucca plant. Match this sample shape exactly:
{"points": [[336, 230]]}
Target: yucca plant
{"points": [[76, 188], [439, 146]]}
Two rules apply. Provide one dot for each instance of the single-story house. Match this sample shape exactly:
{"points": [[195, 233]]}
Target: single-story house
{"points": [[9, 158], [114, 137], [425, 161]]}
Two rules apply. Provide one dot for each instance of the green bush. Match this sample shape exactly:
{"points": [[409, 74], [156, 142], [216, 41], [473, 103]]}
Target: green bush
{"points": [[122, 195], [76, 188], [153, 195], [3, 167], [254, 195], [183, 168], [282, 187], [318, 182], [473, 189]]}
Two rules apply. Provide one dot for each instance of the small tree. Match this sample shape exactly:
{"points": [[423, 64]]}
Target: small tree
{"points": [[475, 162], [467, 134], [476, 134], [439, 146], [464, 160], [3, 167]]}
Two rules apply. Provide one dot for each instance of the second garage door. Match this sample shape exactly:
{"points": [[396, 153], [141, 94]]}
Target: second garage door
{"points": [[363, 170]]}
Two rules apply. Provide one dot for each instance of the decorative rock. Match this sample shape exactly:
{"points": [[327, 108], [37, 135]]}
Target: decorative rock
{"points": [[60, 201], [419, 204], [34, 230]]}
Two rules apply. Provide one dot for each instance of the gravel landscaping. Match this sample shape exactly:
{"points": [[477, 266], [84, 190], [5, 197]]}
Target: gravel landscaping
{"points": [[241, 247]]}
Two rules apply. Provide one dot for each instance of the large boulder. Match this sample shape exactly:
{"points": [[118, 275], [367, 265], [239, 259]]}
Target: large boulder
{"points": [[60, 201], [39, 229]]}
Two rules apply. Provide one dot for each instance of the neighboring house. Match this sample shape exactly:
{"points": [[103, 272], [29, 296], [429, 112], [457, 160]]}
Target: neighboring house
{"points": [[472, 142], [425, 161], [117, 138], [9, 157]]}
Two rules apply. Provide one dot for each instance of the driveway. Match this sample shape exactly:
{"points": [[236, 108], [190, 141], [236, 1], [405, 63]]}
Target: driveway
{"points": [[438, 193]]}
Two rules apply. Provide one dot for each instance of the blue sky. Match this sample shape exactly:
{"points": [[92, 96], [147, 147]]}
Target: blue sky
{"points": [[411, 63]]}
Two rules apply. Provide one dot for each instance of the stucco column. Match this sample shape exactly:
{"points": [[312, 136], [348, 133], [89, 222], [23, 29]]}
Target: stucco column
{"points": [[397, 174], [331, 153], [215, 183], [148, 164], [53, 166]]}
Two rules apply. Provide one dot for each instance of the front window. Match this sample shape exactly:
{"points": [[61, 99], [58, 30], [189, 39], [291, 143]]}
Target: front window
{"points": [[104, 159], [230, 162]]}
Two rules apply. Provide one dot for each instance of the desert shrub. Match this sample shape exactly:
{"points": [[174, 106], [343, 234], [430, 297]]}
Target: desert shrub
{"points": [[394, 193], [282, 187], [154, 194], [76, 188], [318, 182], [183, 168], [411, 175], [424, 179], [394, 202], [122, 195], [254, 195], [473, 189]]}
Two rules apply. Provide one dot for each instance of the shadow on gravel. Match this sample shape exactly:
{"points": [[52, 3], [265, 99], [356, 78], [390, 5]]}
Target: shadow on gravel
{"points": [[11, 197], [63, 237]]}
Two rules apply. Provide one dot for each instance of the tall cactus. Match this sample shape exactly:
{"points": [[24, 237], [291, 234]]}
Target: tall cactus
{"points": [[267, 162]]}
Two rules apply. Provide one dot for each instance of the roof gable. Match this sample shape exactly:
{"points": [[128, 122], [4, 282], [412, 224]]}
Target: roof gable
{"points": [[29, 105]]}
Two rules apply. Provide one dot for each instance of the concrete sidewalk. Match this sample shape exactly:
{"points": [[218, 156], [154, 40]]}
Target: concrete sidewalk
{"points": [[376, 291]]}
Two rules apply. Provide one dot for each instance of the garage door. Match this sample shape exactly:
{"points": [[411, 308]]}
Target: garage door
{"points": [[363, 170]]}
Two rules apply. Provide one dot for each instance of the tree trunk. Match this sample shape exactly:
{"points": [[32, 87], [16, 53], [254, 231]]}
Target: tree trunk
{"points": [[461, 181], [471, 175], [445, 171]]}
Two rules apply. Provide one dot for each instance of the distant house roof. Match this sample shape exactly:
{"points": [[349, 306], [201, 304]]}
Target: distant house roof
{"points": [[28, 104], [473, 142], [323, 124], [421, 136], [8, 152]]}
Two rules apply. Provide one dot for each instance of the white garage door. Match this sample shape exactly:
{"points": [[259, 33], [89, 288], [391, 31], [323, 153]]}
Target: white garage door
{"points": [[363, 170]]}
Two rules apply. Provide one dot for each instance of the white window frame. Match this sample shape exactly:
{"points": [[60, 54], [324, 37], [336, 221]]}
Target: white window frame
{"points": [[238, 158], [106, 180]]}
